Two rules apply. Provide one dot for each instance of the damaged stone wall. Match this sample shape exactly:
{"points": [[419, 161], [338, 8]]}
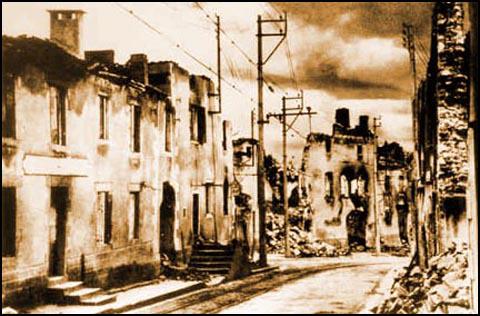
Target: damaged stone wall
{"points": [[452, 98]]}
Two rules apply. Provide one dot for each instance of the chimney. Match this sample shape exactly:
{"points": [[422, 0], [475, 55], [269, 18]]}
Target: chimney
{"points": [[66, 30], [363, 123], [100, 56], [342, 117], [138, 66]]}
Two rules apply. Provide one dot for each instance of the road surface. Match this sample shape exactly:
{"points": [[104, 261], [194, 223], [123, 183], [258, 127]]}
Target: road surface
{"points": [[341, 287]]}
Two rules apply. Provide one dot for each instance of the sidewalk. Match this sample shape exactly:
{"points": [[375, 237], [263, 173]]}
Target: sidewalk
{"points": [[128, 299]]}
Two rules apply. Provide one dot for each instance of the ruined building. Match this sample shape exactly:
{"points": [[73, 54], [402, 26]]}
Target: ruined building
{"points": [[106, 168], [445, 109], [442, 115], [337, 174]]}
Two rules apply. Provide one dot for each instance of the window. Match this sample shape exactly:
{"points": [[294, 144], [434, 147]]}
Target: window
{"points": [[225, 141], [135, 112], [359, 152], [387, 184], [169, 118], [8, 106], [8, 221], [198, 129], [208, 197], [328, 145], [104, 217], [103, 117], [329, 184], [134, 216], [58, 115], [226, 191], [344, 186]]}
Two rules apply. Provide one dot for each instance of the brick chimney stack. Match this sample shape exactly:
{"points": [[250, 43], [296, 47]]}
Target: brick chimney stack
{"points": [[66, 30]]}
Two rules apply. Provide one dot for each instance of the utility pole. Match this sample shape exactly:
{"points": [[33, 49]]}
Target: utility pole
{"points": [[260, 155], [409, 43], [283, 118], [219, 69], [378, 245]]}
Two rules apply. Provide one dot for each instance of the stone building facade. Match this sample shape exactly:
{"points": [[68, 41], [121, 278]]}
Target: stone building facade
{"points": [[446, 109], [105, 167], [442, 114], [337, 174]]}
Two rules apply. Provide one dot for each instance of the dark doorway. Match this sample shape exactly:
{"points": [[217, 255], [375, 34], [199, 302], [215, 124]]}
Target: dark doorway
{"points": [[356, 224], [196, 215], [59, 202], [167, 221]]}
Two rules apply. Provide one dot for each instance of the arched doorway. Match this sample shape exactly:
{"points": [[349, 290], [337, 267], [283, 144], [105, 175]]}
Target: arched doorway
{"points": [[167, 221], [356, 226]]}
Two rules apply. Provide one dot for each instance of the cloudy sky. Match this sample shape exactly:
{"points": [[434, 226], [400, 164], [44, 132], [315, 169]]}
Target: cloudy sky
{"points": [[343, 54]]}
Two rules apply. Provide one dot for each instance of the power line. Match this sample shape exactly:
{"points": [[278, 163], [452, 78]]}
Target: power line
{"points": [[184, 50], [266, 79]]}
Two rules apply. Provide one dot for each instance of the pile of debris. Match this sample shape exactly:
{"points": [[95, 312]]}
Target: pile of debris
{"points": [[302, 242], [443, 288]]}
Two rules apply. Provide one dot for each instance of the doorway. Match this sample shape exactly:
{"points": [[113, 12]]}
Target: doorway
{"points": [[167, 221], [196, 215], [356, 228], [59, 204]]}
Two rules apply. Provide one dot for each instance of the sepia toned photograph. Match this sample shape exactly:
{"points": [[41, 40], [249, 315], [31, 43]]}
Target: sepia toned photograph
{"points": [[240, 157]]}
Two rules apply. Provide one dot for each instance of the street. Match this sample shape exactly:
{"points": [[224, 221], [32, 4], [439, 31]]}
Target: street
{"points": [[313, 285]]}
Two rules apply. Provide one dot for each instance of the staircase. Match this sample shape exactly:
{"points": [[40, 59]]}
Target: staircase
{"points": [[211, 258], [61, 291]]}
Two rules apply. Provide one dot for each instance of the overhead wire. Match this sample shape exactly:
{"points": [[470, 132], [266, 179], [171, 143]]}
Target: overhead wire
{"points": [[184, 50]]}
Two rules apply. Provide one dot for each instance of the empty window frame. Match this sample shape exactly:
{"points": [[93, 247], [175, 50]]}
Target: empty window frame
{"points": [[198, 130], [8, 105], [134, 216], [359, 152], [328, 145], [58, 115], [169, 120], [387, 184], [104, 217], [224, 140], [9, 214], [226, 193], [104, 116], [329, 184], [208, 198], [135, 119]]}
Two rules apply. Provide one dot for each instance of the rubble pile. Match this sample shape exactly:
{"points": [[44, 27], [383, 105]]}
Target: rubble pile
{"points": [[443, 288], [302, 242]]}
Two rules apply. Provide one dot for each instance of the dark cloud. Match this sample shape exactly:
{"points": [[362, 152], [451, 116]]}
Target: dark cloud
{"points": [[368, 19], [364, 20]]}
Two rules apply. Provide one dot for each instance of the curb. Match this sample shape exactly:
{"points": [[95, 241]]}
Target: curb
{"points": [[382, 292], [156, 299], [265, 270]]}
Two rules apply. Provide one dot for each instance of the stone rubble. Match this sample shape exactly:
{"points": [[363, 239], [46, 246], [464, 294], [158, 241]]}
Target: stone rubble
{"points": [[443, 288], [302, 242]]}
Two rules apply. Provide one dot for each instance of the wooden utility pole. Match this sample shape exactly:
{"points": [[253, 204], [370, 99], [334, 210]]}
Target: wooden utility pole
{"points": [[261, 150], [409, 43], [378, 246], [283, 118], [219, 70]]}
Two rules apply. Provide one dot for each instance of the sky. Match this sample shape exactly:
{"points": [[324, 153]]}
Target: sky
{"points": [[341, 55]]}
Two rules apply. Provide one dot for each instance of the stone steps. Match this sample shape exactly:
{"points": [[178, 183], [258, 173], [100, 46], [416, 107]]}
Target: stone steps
{"points": [[60, 291], [211, 258]]}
